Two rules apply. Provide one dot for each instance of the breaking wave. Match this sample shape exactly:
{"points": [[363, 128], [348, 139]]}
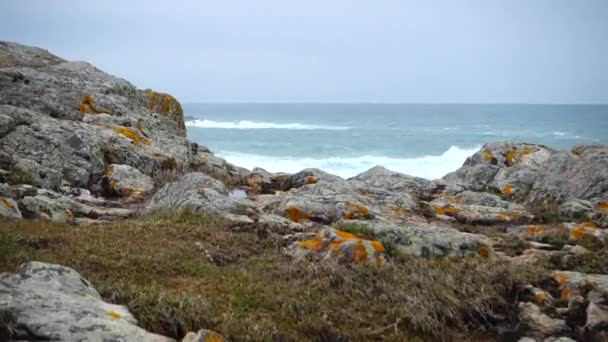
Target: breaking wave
{"points": [[429, 167]]}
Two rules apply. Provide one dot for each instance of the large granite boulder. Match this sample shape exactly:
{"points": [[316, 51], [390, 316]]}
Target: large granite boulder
{"points": [[64, 122], [125, 181], [52, 302]]}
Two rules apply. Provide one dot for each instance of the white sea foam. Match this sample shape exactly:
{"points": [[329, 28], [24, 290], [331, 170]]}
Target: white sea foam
{"points": [[559, 134], [430, 167], [244, 124]]}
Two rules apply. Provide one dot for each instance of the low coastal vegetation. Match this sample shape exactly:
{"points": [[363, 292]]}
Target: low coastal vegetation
{"points": [[179, 271]]}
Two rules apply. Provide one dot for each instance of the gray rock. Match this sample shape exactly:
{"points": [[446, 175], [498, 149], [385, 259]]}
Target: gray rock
{"points": [[596, 326], [430, 240], [539, 322], [308, 177], [203, 335], [52, 302], [9, 208], [198, 192], [382, 178], [125, 181]]}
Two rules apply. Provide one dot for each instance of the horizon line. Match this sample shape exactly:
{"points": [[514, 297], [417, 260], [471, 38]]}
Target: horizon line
{"points": [[398, 103]]}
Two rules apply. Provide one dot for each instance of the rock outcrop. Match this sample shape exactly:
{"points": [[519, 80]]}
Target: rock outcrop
{"points": [[52, 302]]}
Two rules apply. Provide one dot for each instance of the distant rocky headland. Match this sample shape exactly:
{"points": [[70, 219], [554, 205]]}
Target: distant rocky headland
{"points": [[84, 152]]}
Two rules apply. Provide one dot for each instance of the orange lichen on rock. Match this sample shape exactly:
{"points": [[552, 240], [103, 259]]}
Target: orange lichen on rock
{"points": [[346, 247], [483, 251], [535, 230], [356, 211], [446, 210], [109, 170], [213, 337], [561, 278], [507, 190], [311, 180], [296, 215], [582, 229], [603, 206], [135, 136], [6, 203], [509, 215], [487, 155], [88, 106], [456, 200], [167, 104], [565, 293], [69, 215]]}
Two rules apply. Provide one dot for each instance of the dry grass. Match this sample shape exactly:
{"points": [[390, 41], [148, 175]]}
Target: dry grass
{"points": [[183, 271]]}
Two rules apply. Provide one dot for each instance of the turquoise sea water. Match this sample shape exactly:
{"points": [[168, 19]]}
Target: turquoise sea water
{"points": [[346, 139]]}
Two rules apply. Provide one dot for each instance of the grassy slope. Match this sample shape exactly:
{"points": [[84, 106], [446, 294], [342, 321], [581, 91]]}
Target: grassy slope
{"points": [[180, 271]]}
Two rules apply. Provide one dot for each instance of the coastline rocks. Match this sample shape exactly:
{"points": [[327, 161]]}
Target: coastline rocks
{"points": [[126, 181], [382, 178], [310, 176], [52, 302], [198, 192]]}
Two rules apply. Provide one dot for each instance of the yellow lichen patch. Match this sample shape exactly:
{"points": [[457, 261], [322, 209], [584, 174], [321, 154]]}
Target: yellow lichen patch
{"points": [[367, 195], [514, 156], [457, 200], [582, 229], [113, 314], [483, 251], [296, 215], [311, 180], [446, 210], [109, 169], [507, 190], [561, 278], [535, 230], [69, 215], [137, 139], [113, 184], [603, 206], [356, 211], [510, 215], [88, 106], [6, 203], [540, 297], [487, 155]]}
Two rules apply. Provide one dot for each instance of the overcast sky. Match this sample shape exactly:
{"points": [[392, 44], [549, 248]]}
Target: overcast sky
{"points": [[478, 51]]}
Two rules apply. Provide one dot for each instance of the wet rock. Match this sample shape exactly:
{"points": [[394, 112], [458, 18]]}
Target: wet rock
{"points": [[52, 302], [198, 192], [126, 181]]}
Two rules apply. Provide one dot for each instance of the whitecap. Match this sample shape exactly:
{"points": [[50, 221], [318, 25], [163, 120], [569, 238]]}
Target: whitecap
{"points": [[244, 124]]}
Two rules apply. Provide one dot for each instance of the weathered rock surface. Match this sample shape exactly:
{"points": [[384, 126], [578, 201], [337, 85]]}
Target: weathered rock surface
{"points": [[198, 192], [125, 181], [540, 323], [52, 302], [9, 208]]}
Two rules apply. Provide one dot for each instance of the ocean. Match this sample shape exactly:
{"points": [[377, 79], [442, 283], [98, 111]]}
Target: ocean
{"points": [[346, 139]]}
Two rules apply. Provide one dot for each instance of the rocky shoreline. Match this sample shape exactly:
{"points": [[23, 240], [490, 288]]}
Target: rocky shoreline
{"points": [[84, 148]]}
